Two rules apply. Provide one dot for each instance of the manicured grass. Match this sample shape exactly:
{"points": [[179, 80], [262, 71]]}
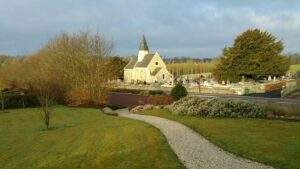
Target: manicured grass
{"points": [[294, 68], [272, 142], [81, 138]]}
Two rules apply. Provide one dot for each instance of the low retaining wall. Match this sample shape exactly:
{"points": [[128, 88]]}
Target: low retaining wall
{"points": [[208, 90], [125, 99], [131, 100]]}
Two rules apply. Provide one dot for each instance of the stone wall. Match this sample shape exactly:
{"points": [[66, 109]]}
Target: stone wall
{"points": [[210, 90], [237, 89]]}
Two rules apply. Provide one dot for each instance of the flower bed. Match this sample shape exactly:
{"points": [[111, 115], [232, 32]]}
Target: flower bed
{"points": [[216, 107]]}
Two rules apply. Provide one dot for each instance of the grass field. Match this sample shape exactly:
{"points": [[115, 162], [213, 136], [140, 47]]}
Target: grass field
{"points": [[295, 68], [272, 142], [80, 138]]}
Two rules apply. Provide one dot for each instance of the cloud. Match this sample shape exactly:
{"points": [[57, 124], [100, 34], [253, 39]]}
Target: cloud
{"points": [[175, 28]]}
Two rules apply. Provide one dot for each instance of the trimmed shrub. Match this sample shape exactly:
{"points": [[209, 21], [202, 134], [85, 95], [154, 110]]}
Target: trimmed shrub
{"points": [[216, 107], [178, 92]]}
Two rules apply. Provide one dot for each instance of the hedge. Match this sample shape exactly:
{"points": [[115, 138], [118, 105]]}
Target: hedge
{"points": [[20, 101]]}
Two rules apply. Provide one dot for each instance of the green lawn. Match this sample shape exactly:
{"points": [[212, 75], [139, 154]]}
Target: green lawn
{"points": [[81, 138], [295, 68], [272, 142]]}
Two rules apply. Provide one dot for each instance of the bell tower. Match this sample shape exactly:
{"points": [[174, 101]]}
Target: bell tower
{"points": [[143, 49]]}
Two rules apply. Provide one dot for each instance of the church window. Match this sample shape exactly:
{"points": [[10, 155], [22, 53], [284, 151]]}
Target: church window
{"points": [[156, 63], [163, 76]]}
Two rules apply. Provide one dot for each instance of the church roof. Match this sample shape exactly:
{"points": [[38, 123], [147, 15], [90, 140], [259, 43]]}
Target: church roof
{"points": [[145, 62], [131, 63], [143, 44], [156, 70]]}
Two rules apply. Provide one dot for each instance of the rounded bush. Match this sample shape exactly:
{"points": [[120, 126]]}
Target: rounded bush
{"points": [[178, 92]]}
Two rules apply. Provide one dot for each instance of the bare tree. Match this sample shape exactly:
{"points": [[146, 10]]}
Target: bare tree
{"points": [[81, 64], [74, 67]]}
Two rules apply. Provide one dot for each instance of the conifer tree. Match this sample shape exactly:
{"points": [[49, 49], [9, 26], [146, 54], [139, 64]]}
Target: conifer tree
{"points": [[254, 54]]}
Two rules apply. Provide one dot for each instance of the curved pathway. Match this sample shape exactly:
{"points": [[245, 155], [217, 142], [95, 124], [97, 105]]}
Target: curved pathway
{"points": [[192, 149]]}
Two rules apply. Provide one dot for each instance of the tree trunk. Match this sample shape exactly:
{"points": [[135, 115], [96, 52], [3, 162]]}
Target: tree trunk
{"points": [[47, 116], [45, 109], [2, 102]]}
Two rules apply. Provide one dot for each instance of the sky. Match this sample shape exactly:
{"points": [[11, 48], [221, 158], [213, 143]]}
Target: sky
{"points": [[174, 28]]}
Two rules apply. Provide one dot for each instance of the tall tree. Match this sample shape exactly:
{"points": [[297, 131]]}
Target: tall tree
{"points": [[118, 65], [80, 62], [254, 54]]}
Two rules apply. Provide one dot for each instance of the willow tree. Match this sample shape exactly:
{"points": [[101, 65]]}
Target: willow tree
{"points": [[254, 54]]}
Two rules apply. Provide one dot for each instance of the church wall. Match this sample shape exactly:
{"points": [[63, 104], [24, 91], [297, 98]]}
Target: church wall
{"points": [[163, 76], [156, 59], [140, 74], [127, 75]]}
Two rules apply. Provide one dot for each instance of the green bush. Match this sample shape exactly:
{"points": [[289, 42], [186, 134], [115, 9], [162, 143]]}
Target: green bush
{"points": [[178, 92], [216, 107]]}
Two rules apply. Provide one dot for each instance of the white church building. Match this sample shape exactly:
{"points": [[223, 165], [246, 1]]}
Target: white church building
{"points": [[147, 68]]}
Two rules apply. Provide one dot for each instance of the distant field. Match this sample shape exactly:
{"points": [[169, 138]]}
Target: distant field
{"points": [[295, 68], [81, 138]]}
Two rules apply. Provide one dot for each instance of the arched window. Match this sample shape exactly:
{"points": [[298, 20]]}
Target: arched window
{"points": [[156, 63], [163, 76]]}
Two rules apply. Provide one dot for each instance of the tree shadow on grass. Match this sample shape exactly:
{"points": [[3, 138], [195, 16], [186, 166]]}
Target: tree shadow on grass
{"points": [[4, 112], [57, 127]]}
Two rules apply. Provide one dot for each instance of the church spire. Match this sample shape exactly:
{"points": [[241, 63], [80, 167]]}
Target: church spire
{"points": [[143, 44], [143, 50]]}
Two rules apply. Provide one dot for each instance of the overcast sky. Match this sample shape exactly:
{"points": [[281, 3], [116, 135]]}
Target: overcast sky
{"points": [[194, 28]]}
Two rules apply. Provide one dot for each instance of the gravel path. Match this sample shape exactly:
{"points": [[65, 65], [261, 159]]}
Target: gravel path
{"points": [[193, 150]]}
